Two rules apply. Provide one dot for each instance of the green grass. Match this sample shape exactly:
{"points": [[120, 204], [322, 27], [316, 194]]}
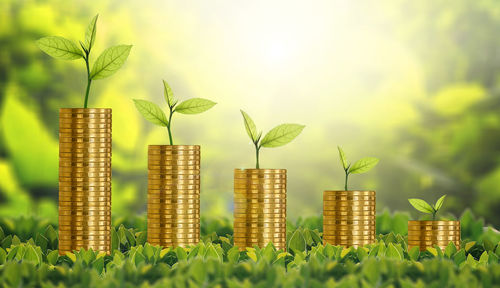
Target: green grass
{"points": [[29, 258]]}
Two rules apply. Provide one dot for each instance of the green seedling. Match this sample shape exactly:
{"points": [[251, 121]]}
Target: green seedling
{"points": [[276, 137], [425, 207], [154, 114], [361, 166], [110, 61]]}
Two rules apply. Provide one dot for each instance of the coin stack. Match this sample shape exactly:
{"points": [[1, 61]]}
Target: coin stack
{"points": [[260, 207], [425, 234], [349, 218], [173, 195], [84, 180]]}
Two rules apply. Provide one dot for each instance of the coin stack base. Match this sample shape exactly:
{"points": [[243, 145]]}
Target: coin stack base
{"points": [[84, 180], [173, 195], [349, 218], [260, 208], [424, 234]]}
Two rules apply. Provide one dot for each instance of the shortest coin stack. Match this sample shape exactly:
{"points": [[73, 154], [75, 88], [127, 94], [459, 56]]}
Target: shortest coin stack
{"points": [[84, 180], [260, 207], [173, 195], [425, 234], [349, 218]]}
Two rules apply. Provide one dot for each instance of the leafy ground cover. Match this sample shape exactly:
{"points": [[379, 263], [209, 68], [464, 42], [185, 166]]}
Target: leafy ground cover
{"points": [[29, 258]]}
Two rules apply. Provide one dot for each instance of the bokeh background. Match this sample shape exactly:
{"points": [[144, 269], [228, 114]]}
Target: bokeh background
{"points": [[415, 83]]}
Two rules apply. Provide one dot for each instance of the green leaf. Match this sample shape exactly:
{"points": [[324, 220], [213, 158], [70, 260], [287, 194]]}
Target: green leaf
{"points": [[51, 235], [90, 33], [297, 242], [194, 106], [281, 135], [414, 253], [181, 253], [439, 203], [421, 205], [110, 61], [115, 241], [459, 257], [250, 126], [392, 252], [233, 255], [151, 112], [3, 256], [41, 241], [469, 245], [343, 158], [363, 165], [59, 47], [168, 94], [484, 258], [98, 265], [433, 251], [52, 257], [31, 256], [450, 250]]}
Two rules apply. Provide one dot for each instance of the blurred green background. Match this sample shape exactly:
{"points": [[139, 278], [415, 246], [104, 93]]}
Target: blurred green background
{"points": [[414, 83]]}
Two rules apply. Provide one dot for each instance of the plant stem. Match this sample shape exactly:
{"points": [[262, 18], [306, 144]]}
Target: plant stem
{"points": [[434, 215], [89, 80], [346, 177], [257, 149], [168, 126]]}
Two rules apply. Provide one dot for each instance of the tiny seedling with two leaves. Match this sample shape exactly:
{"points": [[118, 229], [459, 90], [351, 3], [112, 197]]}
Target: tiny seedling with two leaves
{"points": [[154, 114], [110, 61], [276, 137], [361, 166], [427, 208]]}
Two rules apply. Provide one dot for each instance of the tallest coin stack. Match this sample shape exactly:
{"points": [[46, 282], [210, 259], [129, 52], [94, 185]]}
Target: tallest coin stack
{"points": [[84, 180]]}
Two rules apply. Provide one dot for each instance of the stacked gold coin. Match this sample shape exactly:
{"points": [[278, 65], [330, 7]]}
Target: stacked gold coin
{"points": [[349, 218], [84, 180], [425, 234], [260, 207], [173, 195]]}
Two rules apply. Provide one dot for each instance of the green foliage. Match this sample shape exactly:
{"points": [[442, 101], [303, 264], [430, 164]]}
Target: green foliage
{"points": [[425, 207], [216, 261], [361, 166], [155, 115], [276, 137], [110, 61]]}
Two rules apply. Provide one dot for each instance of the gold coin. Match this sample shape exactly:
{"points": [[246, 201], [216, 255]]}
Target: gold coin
{"points": [[70, 226], [349, 222], [349, 209], [172, 201], [259, 225], [168, 208], [261, 220], [174, 161], [181, 236], [348, 203], [348, 213], [73, 198], [160, 220], [84, 164], [85, 151], [80, 194], [349, 193], [85, 126], [176, 225], [87, 118], [350, 232], [331, 219], [84, 213], [348, 238], [346, 198]]}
